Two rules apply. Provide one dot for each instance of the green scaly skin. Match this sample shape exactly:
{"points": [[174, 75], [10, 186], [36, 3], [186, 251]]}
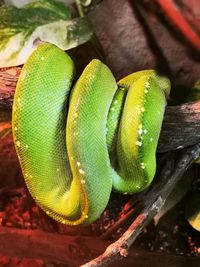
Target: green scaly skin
{"points": [[66, 147]]}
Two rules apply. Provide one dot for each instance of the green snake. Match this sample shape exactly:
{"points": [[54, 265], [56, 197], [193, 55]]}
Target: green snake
{"points": [[76, 141]]}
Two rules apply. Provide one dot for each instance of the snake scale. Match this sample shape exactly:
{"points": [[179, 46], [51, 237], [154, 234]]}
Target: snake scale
{"points": [[76, 141]]}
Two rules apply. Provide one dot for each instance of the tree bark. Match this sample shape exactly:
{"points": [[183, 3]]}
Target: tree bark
{"points": [[181, 127], [8, 81]]}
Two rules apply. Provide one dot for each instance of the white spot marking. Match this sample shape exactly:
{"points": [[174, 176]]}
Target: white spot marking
{"points": [[15, 128], [18, 143], [151, 139], [113, 109], [143, 165], [81, 171], [76, 115], [147, 84], [140, 131], [42, 58], [143, 109], [82, 181], [145, 131], [78, 163], [138, 143], [57, 169], [19, 101], [26, 146]]}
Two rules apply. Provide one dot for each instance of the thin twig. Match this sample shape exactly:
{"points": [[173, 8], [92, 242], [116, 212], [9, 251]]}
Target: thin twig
{"points": [[119, 249], [122, 220]]}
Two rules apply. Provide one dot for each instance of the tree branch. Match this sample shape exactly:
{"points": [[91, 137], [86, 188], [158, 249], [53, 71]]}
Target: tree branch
{"points": [[181, 125], [154, 200]]}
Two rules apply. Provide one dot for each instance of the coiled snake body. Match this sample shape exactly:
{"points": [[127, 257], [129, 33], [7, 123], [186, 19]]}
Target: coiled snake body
{"points": [[75, 145]]}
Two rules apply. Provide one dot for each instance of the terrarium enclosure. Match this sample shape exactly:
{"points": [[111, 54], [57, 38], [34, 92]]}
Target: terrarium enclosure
{"points": [[159, 223]]}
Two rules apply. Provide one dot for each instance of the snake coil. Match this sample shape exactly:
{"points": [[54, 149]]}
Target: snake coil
{"points": [[76, 143]]}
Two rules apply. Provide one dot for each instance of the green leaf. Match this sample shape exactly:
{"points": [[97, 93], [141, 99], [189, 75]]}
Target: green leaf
{"points": [[21, 30], [26, 19], [192, 211]]}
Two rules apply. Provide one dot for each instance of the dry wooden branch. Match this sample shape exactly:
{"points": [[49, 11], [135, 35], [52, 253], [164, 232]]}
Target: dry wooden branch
{"points": [[181, 126], [154, 200]]}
